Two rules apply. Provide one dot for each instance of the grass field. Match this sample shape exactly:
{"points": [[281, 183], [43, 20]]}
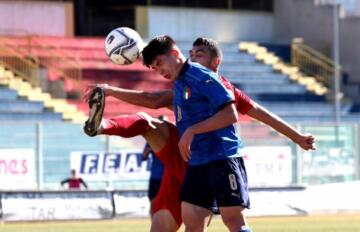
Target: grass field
{"points": [[260, 224]]}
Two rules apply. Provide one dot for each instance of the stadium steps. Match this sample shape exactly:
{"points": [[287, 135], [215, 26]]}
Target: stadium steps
{"points": [[30, 116], [97, 68], [252, 89], [88, 51], [7, 94], [247, 65], [23, 90], [277, 65], [305, 103], [16, 105], [281, 88]]}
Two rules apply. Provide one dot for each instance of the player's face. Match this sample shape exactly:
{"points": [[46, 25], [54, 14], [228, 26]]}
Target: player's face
{"points": [[166, 65], [200, 54]]}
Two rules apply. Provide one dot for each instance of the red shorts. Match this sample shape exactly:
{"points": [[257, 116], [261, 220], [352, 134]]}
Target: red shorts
{"points": [[168, 197]]}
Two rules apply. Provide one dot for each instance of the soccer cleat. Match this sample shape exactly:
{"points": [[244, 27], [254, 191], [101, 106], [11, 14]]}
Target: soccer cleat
{"points": [[96, 105]]}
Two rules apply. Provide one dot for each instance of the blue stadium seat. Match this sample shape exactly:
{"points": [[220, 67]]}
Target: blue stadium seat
{"points": [[7, 94], [284, 97], [30, 116], [21, 106], [15, 108], [252, 89]]}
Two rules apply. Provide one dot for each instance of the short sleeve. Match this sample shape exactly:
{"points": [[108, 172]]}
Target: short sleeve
{"points": [[243, 102], [211, 87]]}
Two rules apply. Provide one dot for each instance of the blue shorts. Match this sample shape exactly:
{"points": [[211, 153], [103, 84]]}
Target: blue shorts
{"points": [[221, 181], [154, 186]]}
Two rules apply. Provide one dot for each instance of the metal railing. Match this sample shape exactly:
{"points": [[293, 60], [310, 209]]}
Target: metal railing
{"points": [[56, 59], [44, 54], [21, 65], [312, 62]]}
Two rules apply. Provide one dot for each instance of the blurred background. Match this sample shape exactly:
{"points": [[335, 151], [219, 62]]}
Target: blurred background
{"points": [[298, 58]]}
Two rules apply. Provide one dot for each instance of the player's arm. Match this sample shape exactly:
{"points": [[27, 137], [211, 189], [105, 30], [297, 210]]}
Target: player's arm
{"points": [[223, 118], [153, 100], [146, 152], [64, 181], [83, 183], [258, 112]]}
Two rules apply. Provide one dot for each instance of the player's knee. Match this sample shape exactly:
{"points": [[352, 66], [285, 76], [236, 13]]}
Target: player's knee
{"points": [[193, 223], [233, 223], [162, 221]]}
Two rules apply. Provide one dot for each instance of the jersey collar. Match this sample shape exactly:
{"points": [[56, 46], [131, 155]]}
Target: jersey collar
{"points": [[184, 68]]}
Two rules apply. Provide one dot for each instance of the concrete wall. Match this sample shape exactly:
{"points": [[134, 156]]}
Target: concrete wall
{"points": [[301, 18], [36, 17], [188, 23]]}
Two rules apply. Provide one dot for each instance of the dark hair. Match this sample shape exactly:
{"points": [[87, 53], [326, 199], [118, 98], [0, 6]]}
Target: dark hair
{"points": [[160, 45], [210, 44]]}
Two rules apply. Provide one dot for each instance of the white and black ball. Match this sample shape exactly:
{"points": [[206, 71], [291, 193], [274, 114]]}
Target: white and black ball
{"points": [[123, 45]]}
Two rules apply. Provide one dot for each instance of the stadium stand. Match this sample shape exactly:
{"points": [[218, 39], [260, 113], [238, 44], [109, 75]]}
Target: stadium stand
{"points": [[21, 101], [278, 86], [87, 54], [251, 67]]}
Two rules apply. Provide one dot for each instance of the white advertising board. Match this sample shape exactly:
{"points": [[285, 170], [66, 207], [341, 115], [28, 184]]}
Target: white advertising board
{"points": [[131, 204], [99, 166], [268, 165], [17, 169], [45, 206]]}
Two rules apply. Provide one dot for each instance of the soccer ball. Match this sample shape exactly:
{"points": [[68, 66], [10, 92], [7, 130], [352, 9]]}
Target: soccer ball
{"points": [[123, 45]]}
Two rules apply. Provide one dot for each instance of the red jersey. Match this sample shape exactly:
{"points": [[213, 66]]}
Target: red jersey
{"points": [[243, 103], [74, 183]]}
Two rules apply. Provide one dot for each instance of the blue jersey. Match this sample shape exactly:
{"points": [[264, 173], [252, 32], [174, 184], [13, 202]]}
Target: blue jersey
{"points": [[156, 167], [198, 95]]}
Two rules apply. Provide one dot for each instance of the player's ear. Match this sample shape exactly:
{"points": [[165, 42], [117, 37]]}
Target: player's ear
{"points": [[175, 53], [216, 61]]}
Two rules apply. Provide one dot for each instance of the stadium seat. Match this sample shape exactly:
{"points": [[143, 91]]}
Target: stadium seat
{"points": [[21, 101]]}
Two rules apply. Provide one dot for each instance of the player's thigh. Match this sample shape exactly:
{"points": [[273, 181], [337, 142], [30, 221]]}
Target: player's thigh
{"points": [[168, 197], [197, 197], [196, 188], [230, 183], [163, 221], [195, 218]]}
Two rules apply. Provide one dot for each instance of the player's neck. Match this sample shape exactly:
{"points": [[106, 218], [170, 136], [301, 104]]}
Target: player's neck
{"points": [[180, 65]]}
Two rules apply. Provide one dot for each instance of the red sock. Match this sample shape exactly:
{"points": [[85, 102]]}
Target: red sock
{"points": [[125, 126]]}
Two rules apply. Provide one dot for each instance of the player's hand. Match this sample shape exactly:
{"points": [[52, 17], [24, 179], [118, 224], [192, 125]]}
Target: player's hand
{"points": [[306, 142], [185, 144], [88, 90], [146, 154]]}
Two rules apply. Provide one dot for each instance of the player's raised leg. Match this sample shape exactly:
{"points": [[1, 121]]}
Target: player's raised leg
{"points": [[166, 215]]}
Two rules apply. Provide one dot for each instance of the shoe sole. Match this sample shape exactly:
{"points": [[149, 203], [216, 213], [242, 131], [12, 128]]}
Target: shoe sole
{"points": [[96, 105]]}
